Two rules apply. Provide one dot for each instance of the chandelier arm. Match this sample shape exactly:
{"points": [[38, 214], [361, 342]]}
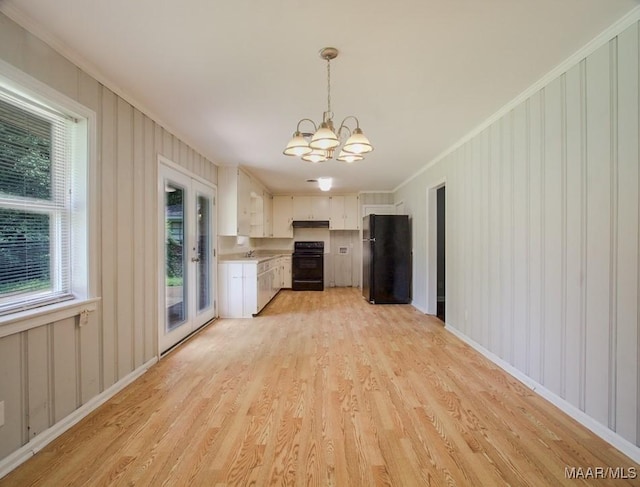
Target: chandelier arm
{"points": [[345, 127], [315, 127], [347, 118]]}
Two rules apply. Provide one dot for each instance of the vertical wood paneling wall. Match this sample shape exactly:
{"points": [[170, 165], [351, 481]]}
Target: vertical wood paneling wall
{"points": [[48, 372], [542, 236]]}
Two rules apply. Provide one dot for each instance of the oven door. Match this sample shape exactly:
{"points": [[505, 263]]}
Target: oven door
{"points": [[307, 272]]}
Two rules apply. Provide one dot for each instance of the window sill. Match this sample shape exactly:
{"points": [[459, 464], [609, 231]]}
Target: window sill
{"points": [[33, 318]]}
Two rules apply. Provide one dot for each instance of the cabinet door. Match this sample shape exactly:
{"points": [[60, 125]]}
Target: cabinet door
{"points": [[249, 289], [351, 212], [268, 214], [235, 285], [281, 267], [257, 215], [336, 221], [320, 208], [263, 290], [277, 285], [302, 208], [244, 203], [276, 282], [223, 290], [286, 273], [282, 216]]}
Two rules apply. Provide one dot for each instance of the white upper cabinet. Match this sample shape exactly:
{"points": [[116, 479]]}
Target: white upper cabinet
{"points": [[257, 214], [337, 213], [311, 208], [282, 216], [245, 205], [302, 207], [320, 208], [344, 213], [268, 214], [352, 212], [234, 191]]}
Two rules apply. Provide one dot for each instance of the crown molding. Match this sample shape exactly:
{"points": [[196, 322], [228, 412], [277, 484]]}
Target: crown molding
{"points": [[605, 36]]}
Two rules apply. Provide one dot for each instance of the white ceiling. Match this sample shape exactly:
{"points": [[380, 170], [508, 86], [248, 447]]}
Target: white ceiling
{"points": [[232, 78]]}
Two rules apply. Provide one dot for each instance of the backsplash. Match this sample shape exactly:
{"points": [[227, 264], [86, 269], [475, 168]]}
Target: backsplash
{"points": [[233, 245]]}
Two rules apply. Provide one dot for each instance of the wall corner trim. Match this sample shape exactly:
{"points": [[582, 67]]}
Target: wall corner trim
{"points": [[615, 440], [28, 450]]}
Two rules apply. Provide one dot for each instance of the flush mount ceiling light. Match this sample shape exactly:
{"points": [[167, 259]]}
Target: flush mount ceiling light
{"points": [[320, 145], [324, 184]]}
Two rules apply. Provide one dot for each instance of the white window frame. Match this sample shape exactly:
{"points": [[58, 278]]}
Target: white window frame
{"points": [[83, 259], [58, 208]]}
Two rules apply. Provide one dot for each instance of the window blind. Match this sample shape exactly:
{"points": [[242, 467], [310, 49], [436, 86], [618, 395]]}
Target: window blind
{"points": [[35, 165]]}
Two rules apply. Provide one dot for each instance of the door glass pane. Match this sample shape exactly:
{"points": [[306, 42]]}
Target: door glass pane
{"points": [[203, 235], [175, 255]]}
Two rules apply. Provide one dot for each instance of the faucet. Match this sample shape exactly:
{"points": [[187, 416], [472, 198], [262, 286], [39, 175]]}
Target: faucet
{"points": [[249, 253]]}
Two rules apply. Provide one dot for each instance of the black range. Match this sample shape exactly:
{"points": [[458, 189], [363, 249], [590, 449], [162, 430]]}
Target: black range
{"points": [[308, 266]]}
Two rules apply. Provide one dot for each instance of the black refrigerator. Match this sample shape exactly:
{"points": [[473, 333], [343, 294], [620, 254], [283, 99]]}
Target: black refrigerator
{"points": [[386, 259]]}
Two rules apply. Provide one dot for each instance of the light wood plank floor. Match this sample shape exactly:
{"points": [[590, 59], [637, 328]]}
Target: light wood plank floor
{"points": [[323, 389]]}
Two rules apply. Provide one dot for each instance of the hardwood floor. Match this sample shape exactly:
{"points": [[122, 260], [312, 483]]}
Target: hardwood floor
{"points": [[323, 389]]}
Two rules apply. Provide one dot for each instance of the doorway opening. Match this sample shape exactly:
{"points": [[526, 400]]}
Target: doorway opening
{"points": [[440, 254], [436, 244]]}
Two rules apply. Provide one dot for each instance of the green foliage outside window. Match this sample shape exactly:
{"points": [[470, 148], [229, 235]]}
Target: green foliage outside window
{"points": [[25, 172]]}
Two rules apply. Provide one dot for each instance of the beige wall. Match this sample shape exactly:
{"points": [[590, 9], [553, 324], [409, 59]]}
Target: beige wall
{"points": [[542, 236], [49, 371]]}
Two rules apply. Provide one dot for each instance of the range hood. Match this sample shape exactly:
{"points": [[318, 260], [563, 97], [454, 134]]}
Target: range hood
{"points": [[310, 224]]}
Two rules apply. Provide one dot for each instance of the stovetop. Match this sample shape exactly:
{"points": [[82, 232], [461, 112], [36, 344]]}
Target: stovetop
{"points": [[308, 247]]}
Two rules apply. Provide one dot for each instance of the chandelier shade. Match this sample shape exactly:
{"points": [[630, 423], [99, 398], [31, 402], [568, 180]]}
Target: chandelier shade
{"points": [[316, 155], [297, 146], [324, 138], [349, 157], [320, 145], [357, 143]]}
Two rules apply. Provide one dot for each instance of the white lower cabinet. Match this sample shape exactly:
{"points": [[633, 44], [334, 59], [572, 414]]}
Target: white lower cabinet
{"points": [[286, 272], [247, 287], [237, 288], [266, 287]]}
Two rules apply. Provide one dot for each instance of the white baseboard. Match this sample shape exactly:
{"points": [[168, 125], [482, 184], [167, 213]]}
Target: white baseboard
{"points": [[38, 442], [611, 437]]}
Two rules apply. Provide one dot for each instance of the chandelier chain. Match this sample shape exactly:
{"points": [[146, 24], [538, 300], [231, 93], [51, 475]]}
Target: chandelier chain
{"points": [[329, 86]]}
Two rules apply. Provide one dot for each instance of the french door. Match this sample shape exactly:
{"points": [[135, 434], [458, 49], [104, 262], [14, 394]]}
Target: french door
{"points": [[187, 255]]}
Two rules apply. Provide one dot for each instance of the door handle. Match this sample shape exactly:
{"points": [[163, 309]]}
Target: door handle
{"points": [[195, 259]]}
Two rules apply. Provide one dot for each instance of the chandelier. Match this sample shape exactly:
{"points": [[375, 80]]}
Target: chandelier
{"points": [[322, 143]]}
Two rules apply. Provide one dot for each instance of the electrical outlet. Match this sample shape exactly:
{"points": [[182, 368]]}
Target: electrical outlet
{"points": [[1, 413]]}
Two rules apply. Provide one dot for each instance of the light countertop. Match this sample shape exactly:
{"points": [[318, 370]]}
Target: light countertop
{"points": [[259, 256]]}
